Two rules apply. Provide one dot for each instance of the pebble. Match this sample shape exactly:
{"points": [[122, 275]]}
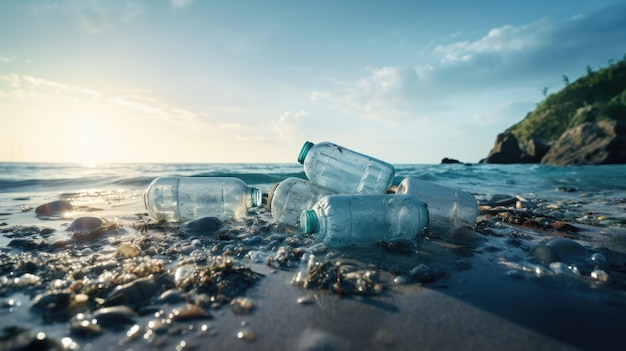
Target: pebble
{"points": [[85, 224], [54, 208], [241, 305], [568, 250], [201, 226], [499, 200], [464, 236], [114, 316], [128, 250], [422, 274], [171, 296], [137, 291]]}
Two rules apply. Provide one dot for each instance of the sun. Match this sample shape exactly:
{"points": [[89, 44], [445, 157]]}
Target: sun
{"points": [[90, 135]]}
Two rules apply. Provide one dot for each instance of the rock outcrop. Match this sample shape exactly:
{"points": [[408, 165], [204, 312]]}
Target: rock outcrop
{"points": [[505, 150], [590, 143]]}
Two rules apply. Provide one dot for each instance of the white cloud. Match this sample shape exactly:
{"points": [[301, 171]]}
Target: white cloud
{"points": [[287, 125], [7, 58], [23, 87], [180, 3], [383, 96], [505, 61], [506, 39]]}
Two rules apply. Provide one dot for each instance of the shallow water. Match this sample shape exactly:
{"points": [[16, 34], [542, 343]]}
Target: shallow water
{"points": [[486, 288]]}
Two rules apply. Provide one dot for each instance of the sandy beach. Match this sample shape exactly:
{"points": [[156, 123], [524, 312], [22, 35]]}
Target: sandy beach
{"points": [[481, 289]]}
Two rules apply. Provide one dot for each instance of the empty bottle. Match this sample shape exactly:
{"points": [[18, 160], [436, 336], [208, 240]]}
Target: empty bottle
{"points": [[447, 207], [345, 220], [287, 199], [345, 171], [187, 198]]}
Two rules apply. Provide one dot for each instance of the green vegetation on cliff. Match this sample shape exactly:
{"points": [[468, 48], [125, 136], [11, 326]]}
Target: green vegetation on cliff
{"points": [[600, 95]]}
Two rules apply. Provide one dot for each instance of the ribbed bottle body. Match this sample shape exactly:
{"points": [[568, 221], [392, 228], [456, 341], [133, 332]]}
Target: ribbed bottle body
{"points": [[447, 206], [186, 198], [345, 171], [346, 220], [292, 196]]}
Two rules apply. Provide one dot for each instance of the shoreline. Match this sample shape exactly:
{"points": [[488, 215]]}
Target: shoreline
{"points": [[483, 296]]}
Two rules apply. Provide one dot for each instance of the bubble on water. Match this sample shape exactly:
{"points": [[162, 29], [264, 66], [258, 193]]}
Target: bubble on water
{"points": [[69, 344], [541, 271], [561, 268], [400, 279], [600, 275], [246, 335], [599, 260], [256, 256]]}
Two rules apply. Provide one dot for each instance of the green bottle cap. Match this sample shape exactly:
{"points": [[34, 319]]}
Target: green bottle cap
{"points": [[309, 222], [304, 151]]}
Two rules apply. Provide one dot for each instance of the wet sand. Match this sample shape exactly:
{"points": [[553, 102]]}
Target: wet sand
{"points": [[484, 294]]}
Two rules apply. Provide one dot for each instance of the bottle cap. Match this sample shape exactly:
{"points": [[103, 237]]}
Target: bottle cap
{"points": [[270, 196], [255, 197], [304, 151], [309, 222]]}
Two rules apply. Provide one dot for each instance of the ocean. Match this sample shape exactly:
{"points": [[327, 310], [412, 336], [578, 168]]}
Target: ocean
{"points": [[603, 187], [550, 276]]}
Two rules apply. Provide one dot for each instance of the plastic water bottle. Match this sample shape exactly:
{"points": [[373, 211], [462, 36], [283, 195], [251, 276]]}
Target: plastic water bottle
{"points": [[345, 171], [287, 199], [345, 220], [187, 198], [448, 207]]}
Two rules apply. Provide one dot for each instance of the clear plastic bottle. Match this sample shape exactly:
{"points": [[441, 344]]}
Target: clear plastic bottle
{"points": [[448, 207], [343, 170], [187, 198], [287, 199], [346, 220]]}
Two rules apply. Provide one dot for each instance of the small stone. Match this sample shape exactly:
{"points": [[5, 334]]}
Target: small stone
{"points": [[305, 300], [54, 208], [85, 224], [241, 305], [563, 227], [114, 316], [201, 226], [127, 250], [422, 274]]}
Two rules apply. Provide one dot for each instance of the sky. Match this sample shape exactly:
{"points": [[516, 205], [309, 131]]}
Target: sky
{"points": [[180, 81]]}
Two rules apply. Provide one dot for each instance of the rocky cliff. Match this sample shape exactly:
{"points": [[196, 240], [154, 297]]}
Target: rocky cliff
{"points": [[584, 123]]}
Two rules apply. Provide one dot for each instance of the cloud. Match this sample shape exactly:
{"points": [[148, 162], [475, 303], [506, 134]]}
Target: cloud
{"points": [[503, 40], [7, 58], [24, 87], [287, 125], [180, 3], [506, 59], [386, 95]]}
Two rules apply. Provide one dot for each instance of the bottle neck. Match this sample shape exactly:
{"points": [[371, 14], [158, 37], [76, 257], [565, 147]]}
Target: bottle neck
{"points": [[255, 196], [304, 151], [309, 222]]}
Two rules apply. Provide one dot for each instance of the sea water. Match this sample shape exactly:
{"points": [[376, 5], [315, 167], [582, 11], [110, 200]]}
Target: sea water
{"points": [[24, 186], [604, 184], [114, 192]]}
